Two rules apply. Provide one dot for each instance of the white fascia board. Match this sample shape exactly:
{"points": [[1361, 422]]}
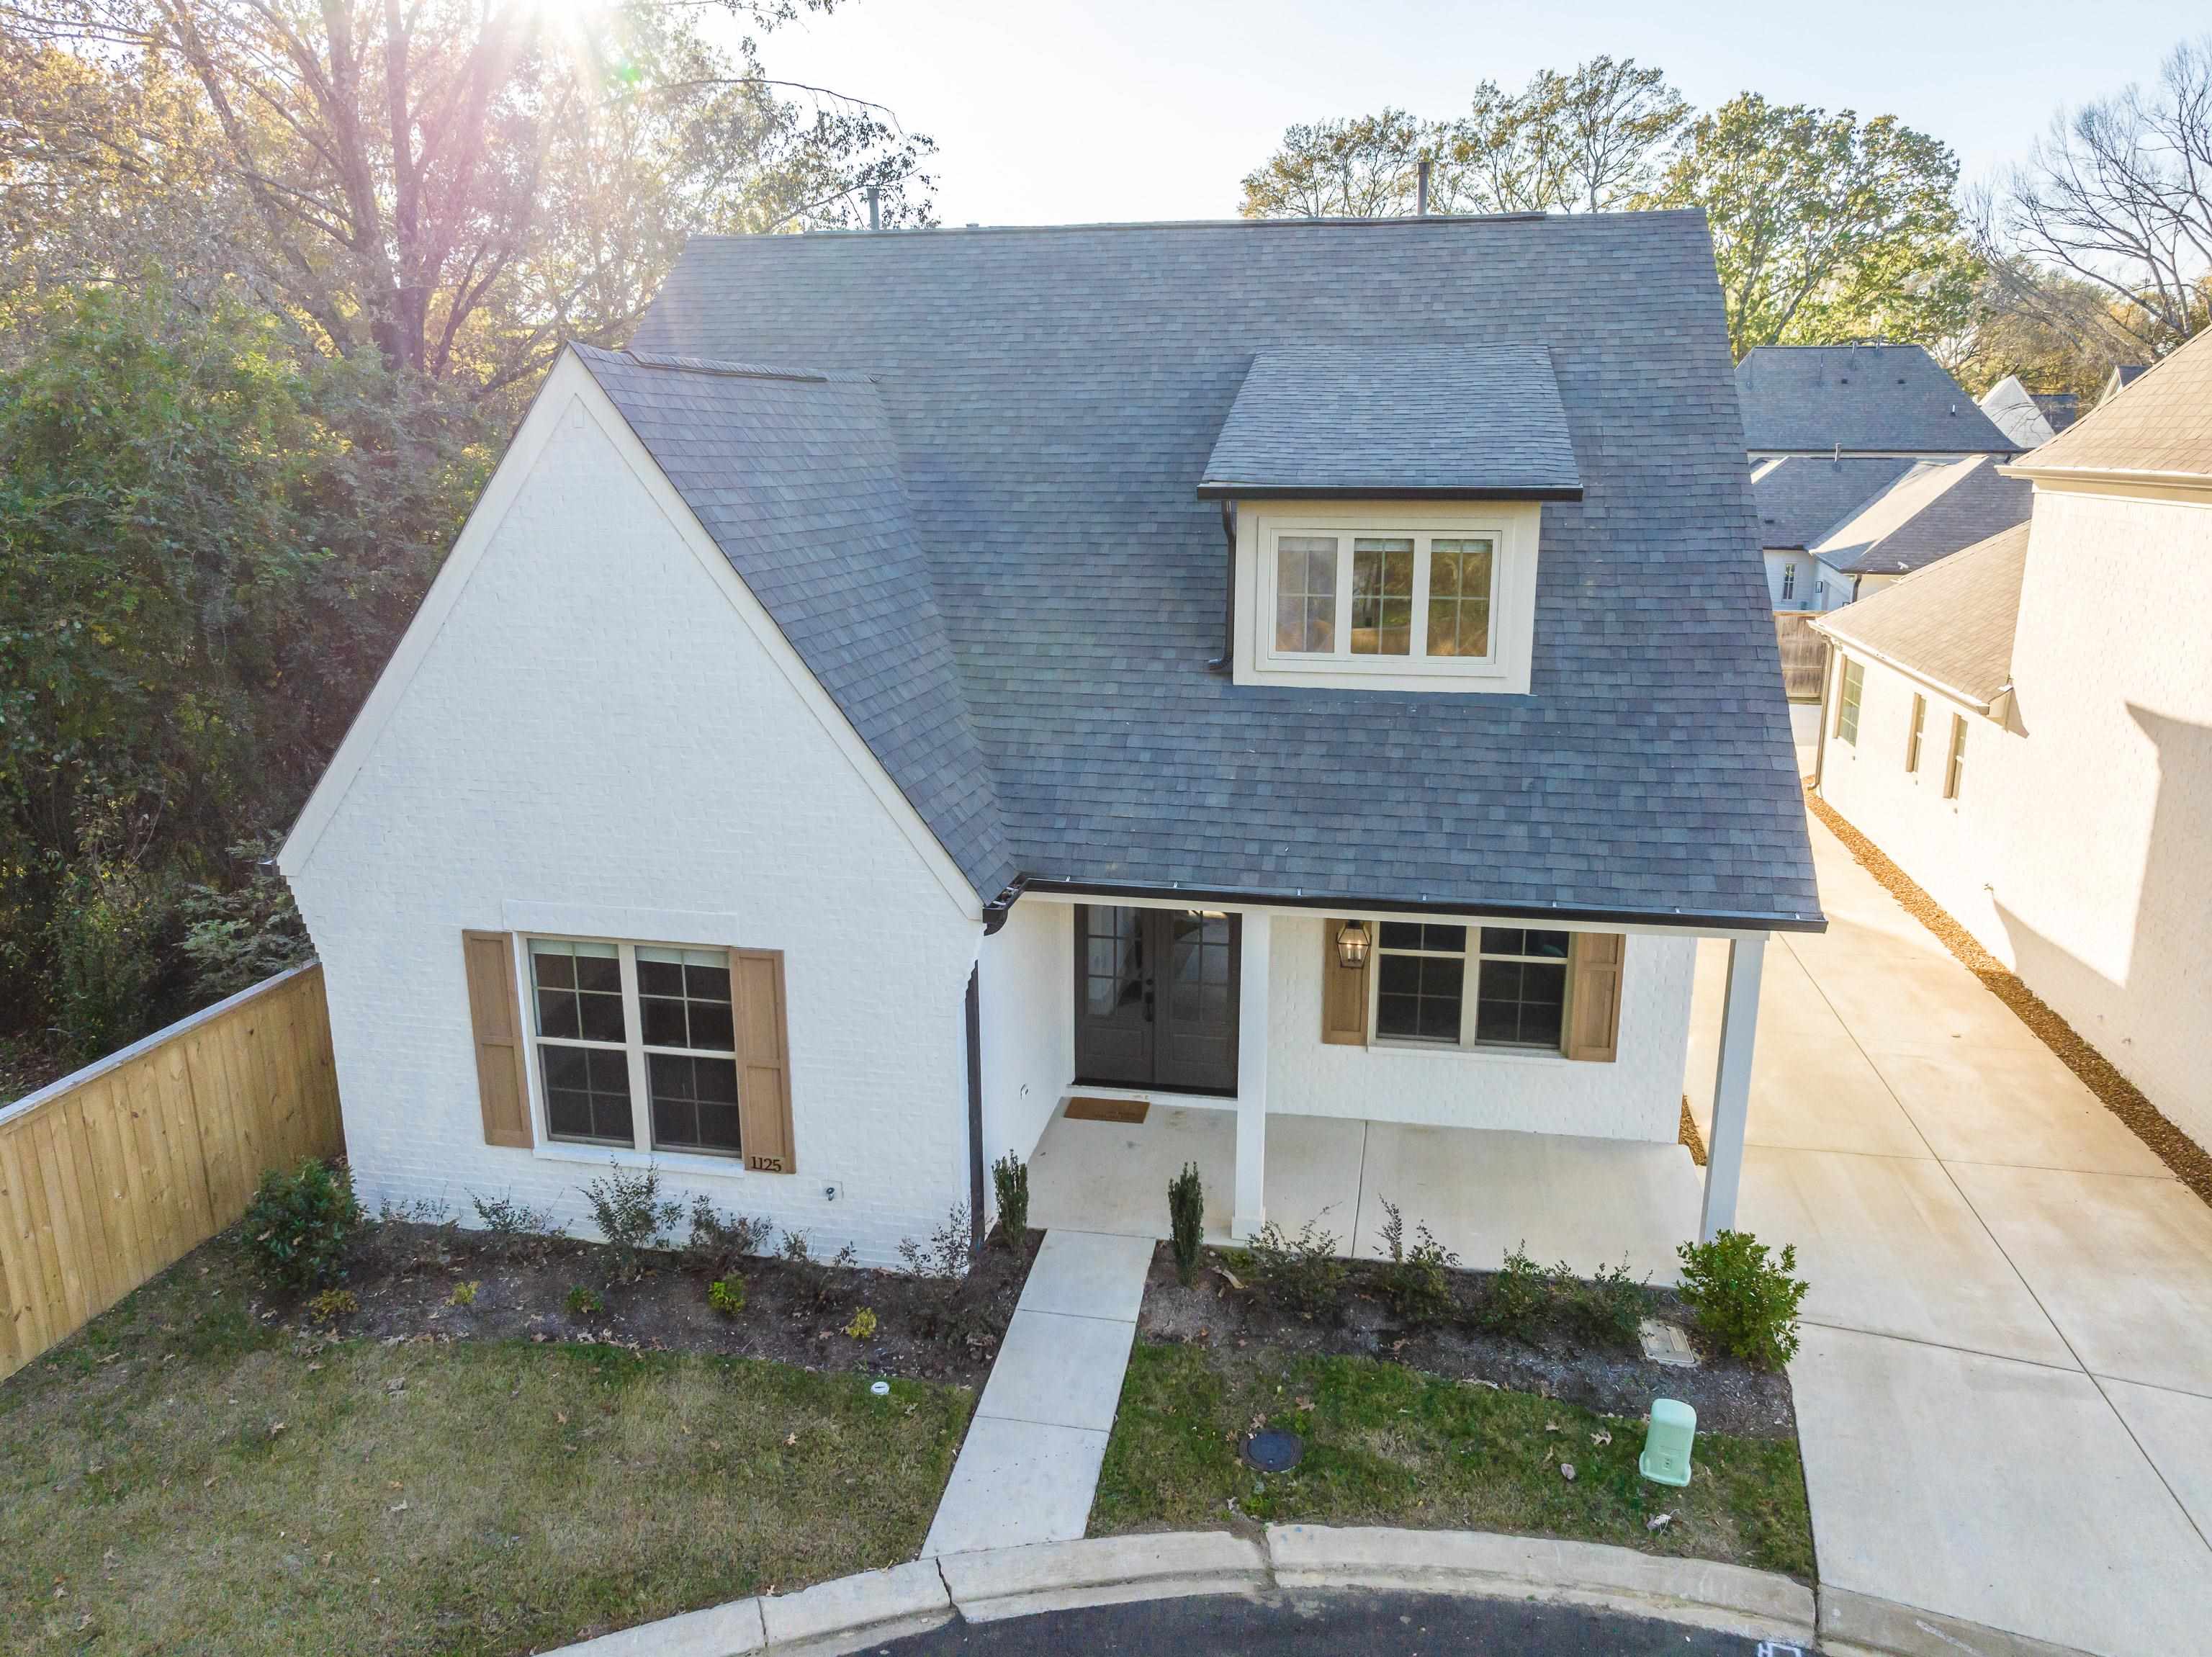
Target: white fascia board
{"points": [[571, 384]]}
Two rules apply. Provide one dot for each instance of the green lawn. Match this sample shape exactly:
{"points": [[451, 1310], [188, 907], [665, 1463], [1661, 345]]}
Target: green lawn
{"points": [[1386, 1444], [181, 1478]]}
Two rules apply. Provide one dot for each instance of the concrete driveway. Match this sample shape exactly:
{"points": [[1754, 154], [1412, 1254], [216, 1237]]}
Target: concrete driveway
{"points": [[2005, 1389]]}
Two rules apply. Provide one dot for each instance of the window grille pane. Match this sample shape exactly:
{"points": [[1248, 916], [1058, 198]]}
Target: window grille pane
{"points": [[578, 989], [684, 998], [695, 1103], [1520, 1003], [1459, 597], [1305, 593], [1382, 596], [587, 1094], [1418, 996]]}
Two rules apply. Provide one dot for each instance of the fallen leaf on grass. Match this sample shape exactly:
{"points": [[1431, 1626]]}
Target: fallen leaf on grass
{"points": [[1658, 1521], [1567, 1471], [1600, 1437]]}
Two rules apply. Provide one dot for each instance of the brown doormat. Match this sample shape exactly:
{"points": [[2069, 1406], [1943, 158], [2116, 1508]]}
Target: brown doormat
{"points": [[1128, 1111]]}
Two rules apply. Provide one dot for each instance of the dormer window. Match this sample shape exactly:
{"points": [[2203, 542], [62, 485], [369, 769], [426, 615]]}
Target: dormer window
{"points": [[1386, 594], [1407, 596]]}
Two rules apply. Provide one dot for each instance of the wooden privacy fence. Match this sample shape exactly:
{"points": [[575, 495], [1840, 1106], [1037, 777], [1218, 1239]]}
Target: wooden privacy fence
{"points": [[116, 1172], [1804, 654]]}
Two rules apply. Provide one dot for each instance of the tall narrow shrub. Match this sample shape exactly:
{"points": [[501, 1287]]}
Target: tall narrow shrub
{"points": [[1186, 1221], [1010, 1178]]}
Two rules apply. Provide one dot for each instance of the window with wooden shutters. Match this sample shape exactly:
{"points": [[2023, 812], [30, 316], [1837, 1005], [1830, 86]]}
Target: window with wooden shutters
{"points": [[1343, 994], [489, 958], [664, 1049]]}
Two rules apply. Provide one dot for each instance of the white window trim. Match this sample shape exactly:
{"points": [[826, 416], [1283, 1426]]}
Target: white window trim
{"points": [[1510, 524], [635, 1048], [1471, 957]]}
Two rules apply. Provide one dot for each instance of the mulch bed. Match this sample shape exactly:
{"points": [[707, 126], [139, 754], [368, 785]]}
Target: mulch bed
{"points": [[1553, 1362], [2184, 1155], [404, 1275]]}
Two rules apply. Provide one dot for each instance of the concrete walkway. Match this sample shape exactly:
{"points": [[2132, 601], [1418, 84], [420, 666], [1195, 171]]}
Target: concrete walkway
{"points": [[2005, 1392], [1030, 1466]]}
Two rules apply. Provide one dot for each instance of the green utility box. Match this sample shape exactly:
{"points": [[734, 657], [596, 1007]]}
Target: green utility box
{"points": [[1673, 1429]]}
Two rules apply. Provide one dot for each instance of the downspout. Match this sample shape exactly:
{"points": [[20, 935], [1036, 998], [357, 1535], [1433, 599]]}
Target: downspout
{"points": [[1222, 663], [1820, 741], [975, 1107]]}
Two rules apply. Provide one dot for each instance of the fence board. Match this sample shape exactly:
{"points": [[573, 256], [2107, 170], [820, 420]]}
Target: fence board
{"points": [[114, 1174], [1804, 654]]}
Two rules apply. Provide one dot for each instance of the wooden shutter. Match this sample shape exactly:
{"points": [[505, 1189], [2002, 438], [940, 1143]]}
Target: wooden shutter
{"points": [[1594, 960], [1343, 993], [763, 1060], [497, 1023]]}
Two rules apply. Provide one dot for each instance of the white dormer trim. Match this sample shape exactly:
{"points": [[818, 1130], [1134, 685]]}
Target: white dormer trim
{"points": [[1513, 526]]}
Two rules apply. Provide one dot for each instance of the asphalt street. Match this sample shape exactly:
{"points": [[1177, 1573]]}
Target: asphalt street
{"points": [[1341, 1624]]}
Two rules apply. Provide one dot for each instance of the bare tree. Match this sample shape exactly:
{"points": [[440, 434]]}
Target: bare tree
{"points": [[2119, 197]]}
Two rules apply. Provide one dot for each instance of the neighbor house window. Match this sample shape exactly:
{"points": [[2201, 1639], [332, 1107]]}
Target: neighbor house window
{"points": [[1788, 583], [618, 1023], [1954, 772], [1847, 701], [1413, 598], [1913, 737], [1518, 978]]}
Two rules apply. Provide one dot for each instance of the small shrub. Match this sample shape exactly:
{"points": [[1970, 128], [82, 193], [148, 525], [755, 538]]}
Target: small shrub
{"points": [[718, 1241], [463, 1294], [1009, 1179], [1186, 1221], [863, 1326], [1302, 1272], [1416, 1283], [585, 1302], [237, 936], [1744, 1301], [628, 1209], [1518, 1296], [511, 1222], [333, 1303], [947, 1254], [298, 1222], [726, 1296], [1607, 1308]]}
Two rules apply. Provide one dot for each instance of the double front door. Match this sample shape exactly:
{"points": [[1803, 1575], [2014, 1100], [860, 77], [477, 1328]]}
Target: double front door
{"points": [[1156, 997]]}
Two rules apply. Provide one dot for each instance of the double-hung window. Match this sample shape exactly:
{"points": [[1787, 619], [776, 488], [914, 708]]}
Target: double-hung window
{"points": [[1954, 774], [1518, 978], [1913, 736], [623, 1026], [1851, 686], [1343, 596]]}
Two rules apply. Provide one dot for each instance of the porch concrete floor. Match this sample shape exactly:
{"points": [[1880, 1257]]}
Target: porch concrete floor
{"points": [[2004, 1396], [1591, 1203]]}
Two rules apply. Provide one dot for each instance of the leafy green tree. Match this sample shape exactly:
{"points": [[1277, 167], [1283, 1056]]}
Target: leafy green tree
{"points": [[1365, 167], [1825, 227], [206, 551]]}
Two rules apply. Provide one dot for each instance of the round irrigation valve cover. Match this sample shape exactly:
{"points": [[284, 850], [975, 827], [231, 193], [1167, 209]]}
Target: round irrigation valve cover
{"points": [[1272, 1450]]}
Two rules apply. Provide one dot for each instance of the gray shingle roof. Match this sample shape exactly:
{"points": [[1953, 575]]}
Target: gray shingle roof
{"points": [[1800, 497], [1936, 508], [1054, 394], [1813, 399], [1951, 622], [1440, 421], [2017, 412], [796, 477]]}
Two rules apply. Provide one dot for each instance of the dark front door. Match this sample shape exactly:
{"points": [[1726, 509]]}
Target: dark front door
{"points": [[1156, 993]]}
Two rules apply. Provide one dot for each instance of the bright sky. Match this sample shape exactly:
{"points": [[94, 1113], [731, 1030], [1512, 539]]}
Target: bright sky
{"points": [[1046, 112]]}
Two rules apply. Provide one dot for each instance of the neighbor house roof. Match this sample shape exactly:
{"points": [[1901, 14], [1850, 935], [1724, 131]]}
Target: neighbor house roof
{"points": [[795, 475], [1800, 497], [1819, 399], [1054, 396], [2018, 412], [2158, 426], [1951, 624], [1432, 421], [1933, 510]]}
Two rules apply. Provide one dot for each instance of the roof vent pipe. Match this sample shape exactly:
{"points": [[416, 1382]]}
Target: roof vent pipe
{"points": [[875, 207], [1422, 207]]}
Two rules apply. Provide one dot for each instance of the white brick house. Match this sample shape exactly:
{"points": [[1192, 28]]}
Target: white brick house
{"points": [[803, 778]]}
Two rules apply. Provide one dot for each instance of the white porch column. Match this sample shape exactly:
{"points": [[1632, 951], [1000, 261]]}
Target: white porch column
{"points": [[1732, 1086], [1250, 1212]]}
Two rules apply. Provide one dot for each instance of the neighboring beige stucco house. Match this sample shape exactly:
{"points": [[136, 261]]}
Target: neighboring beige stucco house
{"points": [[2027, 728]]}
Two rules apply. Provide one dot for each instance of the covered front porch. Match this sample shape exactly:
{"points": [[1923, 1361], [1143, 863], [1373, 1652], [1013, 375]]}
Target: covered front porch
{"points": [[1588, 1202]]}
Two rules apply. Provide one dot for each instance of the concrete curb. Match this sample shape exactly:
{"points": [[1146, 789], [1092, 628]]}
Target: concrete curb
{"points": [[857, 1613], [1853, 1624], [1110, 1570], [1699, 1591]]}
